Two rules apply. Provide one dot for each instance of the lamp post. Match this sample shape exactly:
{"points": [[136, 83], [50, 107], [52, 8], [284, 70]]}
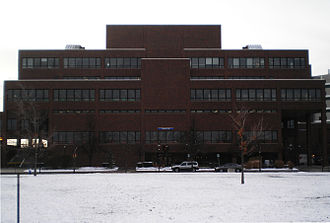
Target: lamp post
{"points": [[260, 159], [158, 155], [74, 156]]}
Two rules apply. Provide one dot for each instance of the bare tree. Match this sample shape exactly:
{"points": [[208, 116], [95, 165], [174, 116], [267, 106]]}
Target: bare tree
{"points": [[33, 123], [90, 145], [192, 142], [249, 131]]}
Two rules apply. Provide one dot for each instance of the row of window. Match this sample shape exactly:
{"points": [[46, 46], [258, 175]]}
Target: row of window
{"points": [[115, 111], [207, 62], [81, 77], [210, 94], [214, 136], [120, 95], [245, 77], [287, 62], [164, 137], [165, 110], [82, 62], [27, 95], [43, 62], [256, 110], [74, 95], [300, 94], [26, 125], [73, 137], [207, 78], [134, 62], [76, 111], [120, 62], [242, 94], [252, 94], [153, 137], [243, 62], [119, 111], [214, 111], [269, 136], [223, 111], [229, 78], [129, 137], [121, 78]]}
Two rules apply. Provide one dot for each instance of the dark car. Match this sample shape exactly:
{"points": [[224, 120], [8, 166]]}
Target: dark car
{"points": [[224, 168]]}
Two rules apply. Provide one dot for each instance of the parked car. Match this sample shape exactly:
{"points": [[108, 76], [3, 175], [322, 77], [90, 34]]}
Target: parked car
{"points": [[225, 167], [144, 164], [186, 166]]}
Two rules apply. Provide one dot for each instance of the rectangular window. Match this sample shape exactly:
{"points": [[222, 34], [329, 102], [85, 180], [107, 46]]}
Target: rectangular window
{"points": [[243, 62], [82, 62], [11, 124], [37, 62], [119, 94], [300, 94], [194, 62], [201, 62], [38, 95], [206, 62], [297, 94], [210, 94]]}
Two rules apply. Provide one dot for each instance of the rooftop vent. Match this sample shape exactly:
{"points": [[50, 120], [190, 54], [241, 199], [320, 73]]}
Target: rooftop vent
{"points": [[252, 47], [74, 47]]}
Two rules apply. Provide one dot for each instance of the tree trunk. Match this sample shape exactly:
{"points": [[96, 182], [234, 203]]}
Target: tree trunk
{"points": [[242, 164]]}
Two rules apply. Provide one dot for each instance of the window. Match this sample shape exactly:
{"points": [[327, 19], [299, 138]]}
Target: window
{"points": [[38, 95], [210, 94], [119, 94], [65, 95], [287, 62], [76, 111], [12, 142], [122, 137], [251, 94], [25, 124], [300, 94], [268, 136], [76, 138], [165, 110], [207, 78], [243, 62], [45, 62], [122, 78], [218, 136], [11, 124], [126, 62], [207, 62], [119, 111], [163, 137], [82, 62]]}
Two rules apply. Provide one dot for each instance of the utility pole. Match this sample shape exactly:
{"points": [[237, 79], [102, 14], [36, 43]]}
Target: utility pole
{"points": [[74, 156], [18, 198], [35, 159]]}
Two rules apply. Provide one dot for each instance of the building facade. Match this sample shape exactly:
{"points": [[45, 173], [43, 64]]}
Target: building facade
{"points": [[161, 93]]}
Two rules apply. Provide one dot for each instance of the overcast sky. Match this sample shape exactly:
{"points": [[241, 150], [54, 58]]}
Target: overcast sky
{"points": [[275, 24]]}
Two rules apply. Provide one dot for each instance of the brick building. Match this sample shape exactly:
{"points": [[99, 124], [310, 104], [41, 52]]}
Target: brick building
{"points": [[162, 93]]}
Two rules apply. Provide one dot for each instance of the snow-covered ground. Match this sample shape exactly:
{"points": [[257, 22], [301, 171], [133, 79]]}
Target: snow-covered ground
{"points": [[167, 197]]}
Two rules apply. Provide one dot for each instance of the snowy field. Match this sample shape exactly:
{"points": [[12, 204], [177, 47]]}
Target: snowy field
{"points": [[168, 197]]}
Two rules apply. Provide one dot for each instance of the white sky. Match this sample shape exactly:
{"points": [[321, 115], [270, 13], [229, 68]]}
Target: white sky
{"points": [[275, 24]]}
